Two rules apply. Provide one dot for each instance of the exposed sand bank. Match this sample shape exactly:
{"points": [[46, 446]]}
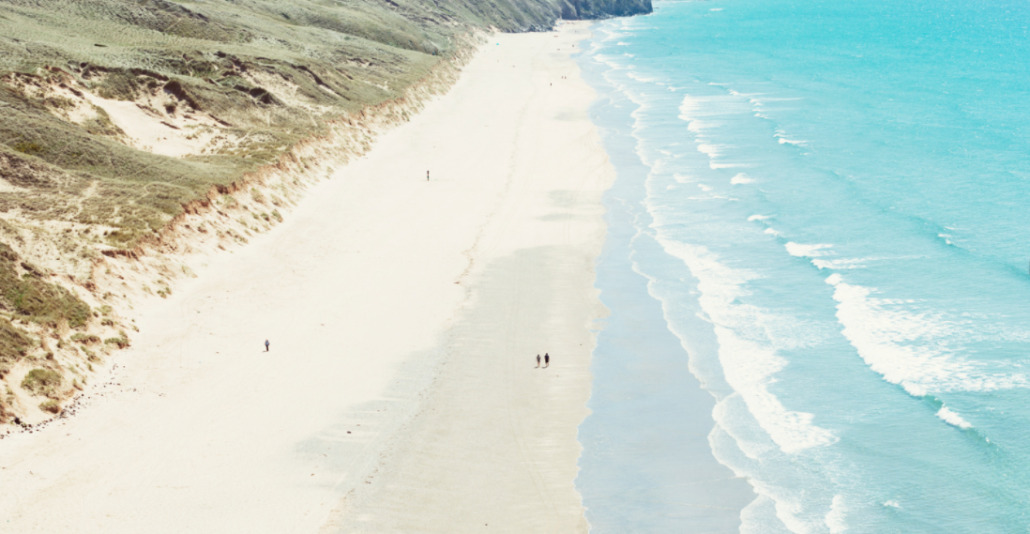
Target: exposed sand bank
{"points": [[400, 392]]}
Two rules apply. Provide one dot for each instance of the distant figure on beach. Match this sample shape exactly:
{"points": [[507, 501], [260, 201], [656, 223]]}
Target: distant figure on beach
{"points": [[427, 176], [266, 345], [538, 360], [547, 360]]}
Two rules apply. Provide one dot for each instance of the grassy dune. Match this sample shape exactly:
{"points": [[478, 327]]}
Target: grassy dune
{"points": [[266, 74], [116, 114]]}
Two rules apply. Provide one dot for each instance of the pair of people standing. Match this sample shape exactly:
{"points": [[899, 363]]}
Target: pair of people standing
{"points": [[547, 360]]}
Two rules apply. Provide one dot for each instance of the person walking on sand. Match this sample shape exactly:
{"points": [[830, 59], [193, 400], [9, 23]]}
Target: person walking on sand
{"points": [[538, 360], [266, 345], [547, 360], [427, 175]]}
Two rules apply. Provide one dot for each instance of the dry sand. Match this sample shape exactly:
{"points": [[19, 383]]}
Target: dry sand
{"points": [[400, 393]]}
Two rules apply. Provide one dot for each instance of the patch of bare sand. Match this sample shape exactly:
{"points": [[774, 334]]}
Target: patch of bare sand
{"points": [[166, 134]]}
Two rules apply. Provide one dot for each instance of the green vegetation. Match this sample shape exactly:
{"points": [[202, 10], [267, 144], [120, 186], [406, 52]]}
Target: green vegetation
{"points": [[85, 339], [43, 382], [6, 413], [25, 291], [121, 341], [269, 73], [14, 344], [50, 405]]}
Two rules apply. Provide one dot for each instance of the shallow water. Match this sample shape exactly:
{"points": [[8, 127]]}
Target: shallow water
{"points": [[821, 217]]}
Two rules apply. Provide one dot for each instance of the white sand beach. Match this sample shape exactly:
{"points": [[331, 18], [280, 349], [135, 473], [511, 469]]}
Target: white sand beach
{"points": [[400, 392]]}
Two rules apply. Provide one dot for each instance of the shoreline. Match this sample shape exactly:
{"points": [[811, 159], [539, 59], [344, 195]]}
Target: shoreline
{"points": [[369, 291], [651, 433]]}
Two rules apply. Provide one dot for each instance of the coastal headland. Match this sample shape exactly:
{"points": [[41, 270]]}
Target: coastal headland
{"points": [[404, 298]]}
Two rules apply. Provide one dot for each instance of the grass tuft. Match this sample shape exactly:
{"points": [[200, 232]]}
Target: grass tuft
{"points": [[42, 382], [122, 341], [85, 339], [51, 406]]}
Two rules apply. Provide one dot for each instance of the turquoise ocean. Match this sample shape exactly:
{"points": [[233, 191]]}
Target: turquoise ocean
{"points": [[816, 268]]}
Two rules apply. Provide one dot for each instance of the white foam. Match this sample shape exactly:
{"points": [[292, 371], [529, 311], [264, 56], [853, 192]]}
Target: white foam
{"points": [[641, 77], [757, 217], [609, 61], [696, 112], [779, 503], [741, 178], [839, 263], [704, 187], [608, 34], [952, 418], [716, 166], [711, 150], [747, 354], [759, 110], [751, 446], [701, 107], [698, 126], [799, 250], [892, 504], [844, 264], [794, 142], [690, 107], [749, 367], [771, 231], [753, 518], [784, 139], [907, 348], [774, 506], [835, 517]]}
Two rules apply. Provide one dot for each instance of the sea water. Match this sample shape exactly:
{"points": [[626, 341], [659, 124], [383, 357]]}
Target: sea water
{"points": [[822, 222]]}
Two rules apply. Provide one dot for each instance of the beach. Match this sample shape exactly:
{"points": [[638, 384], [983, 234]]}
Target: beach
{"points": [[404, 300]]}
